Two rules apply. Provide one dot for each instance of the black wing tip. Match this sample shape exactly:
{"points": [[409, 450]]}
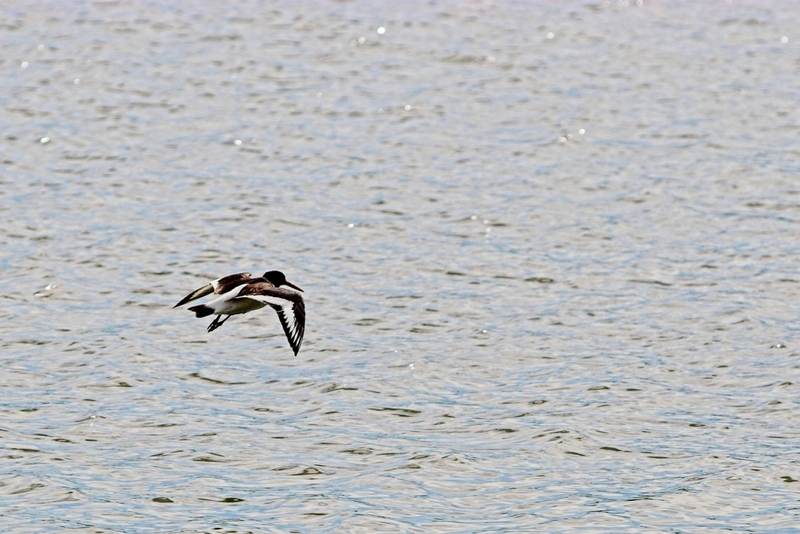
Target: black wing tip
{"points": [[293, 344]]}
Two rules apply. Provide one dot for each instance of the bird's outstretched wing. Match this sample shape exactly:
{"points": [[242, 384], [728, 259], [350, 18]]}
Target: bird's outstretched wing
{"points": [[218, 286], [293, 321], [289, 306]]}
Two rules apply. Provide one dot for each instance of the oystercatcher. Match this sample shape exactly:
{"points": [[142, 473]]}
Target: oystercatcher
{"points": [[240, 293]]}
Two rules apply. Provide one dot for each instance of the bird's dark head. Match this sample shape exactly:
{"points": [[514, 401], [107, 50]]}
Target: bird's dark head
{"points": [[278, 279]]}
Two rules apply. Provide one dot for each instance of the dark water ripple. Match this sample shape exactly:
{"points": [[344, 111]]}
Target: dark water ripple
{"points": [[549, 254]]}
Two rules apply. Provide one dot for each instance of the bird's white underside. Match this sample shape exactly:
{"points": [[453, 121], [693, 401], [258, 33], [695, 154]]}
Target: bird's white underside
{"points": [[231, 304]]}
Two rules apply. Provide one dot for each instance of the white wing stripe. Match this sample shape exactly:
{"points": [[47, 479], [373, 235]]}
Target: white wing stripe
{"points": [[266, 299], [287, 316]]}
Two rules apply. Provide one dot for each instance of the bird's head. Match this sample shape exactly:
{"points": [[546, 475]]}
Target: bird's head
{"points": [[278, 279]]}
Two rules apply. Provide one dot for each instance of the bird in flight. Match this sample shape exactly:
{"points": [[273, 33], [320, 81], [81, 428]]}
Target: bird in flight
{"points": [[241, 293]]}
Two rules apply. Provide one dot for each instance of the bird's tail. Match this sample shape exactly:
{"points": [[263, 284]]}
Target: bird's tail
{"points": [[202, 310]]}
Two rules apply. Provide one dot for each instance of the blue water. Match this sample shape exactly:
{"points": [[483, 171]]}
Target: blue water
{"points": [[549, 254]]}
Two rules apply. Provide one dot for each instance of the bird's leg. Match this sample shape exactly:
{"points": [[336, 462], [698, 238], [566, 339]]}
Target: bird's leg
{"points": [[213, 324], [216, 323]]}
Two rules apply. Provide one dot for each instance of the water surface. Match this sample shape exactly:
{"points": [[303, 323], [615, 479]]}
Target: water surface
{"points": [[549, 254]]}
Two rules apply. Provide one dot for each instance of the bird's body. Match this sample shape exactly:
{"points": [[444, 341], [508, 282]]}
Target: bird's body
{"points": [[230, 303], [240, 293]]}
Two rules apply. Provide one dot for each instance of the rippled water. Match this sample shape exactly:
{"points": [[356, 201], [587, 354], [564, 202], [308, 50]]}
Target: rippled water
{"points": [[549, 253]]}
